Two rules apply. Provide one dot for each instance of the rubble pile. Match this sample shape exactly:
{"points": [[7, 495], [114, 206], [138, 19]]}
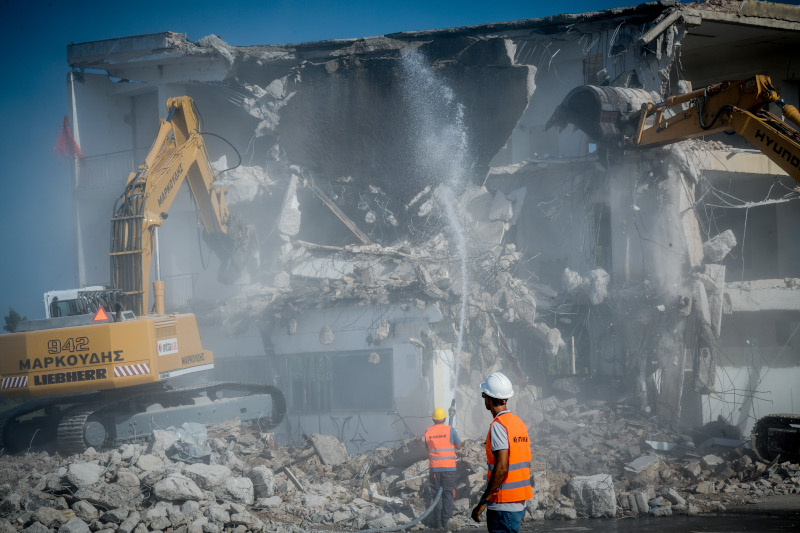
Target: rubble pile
{"points": [[425, 271], [588, 461]]}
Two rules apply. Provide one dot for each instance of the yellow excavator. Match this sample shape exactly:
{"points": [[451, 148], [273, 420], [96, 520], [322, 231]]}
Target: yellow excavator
{"points": [[618, 118], [99, 378]]}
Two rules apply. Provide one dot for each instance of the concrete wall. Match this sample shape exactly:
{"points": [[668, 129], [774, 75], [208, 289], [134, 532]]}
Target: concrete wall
{"points": [[412, 394]]}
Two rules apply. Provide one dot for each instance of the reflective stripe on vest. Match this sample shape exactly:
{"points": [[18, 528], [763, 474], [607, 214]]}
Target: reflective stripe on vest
{"points": [[441, 453], [516, 486]]}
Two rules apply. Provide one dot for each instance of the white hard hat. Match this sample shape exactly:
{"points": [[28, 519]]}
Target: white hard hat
{"points": [[497, 386]]}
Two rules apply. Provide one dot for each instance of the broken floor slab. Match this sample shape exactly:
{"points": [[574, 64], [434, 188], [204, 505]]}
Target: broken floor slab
{"points": [[762, 295]]}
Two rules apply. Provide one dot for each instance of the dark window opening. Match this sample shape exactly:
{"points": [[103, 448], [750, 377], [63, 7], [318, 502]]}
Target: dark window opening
{"points": [[352, 381]]}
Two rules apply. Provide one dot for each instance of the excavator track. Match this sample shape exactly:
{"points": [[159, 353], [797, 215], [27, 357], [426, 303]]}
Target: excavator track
{"points": [[70, 432], [105, 420], [19, 432], [777, 435]]}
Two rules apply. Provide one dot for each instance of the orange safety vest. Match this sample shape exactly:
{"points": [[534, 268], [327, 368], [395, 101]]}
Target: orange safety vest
{"points": [[441, 452], [516, 486]]}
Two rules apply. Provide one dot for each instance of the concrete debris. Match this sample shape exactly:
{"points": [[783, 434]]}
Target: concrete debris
{"points": [[719, 246], [330, 449], [84, 474], [593, 285], [587, 462], [593, 496]]}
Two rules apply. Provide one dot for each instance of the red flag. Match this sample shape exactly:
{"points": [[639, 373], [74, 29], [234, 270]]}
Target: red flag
{"points": [[65, 143]]}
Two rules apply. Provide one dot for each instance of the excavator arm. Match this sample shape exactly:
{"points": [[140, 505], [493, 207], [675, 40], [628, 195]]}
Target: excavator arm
{"points": [[615, 116], [177, 154]]}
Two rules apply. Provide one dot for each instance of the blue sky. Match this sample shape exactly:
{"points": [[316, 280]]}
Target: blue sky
{"points": [[37, 237]]}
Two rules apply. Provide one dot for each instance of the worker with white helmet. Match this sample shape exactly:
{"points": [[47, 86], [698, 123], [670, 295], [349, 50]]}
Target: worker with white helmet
{"points": [[508, 453], [442, 441]]}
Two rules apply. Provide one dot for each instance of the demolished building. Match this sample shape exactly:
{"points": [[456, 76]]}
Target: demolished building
{"points": [[672, 272]]}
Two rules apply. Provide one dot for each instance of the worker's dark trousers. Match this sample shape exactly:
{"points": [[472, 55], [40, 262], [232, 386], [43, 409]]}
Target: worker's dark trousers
{"points": [[444, 509]]}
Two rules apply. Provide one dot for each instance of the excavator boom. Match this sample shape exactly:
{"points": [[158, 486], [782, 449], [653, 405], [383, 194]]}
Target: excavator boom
{"points": [[177, 154], [616, 117]]}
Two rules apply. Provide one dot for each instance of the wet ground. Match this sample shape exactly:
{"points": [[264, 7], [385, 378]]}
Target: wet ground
{"points": [[676, 524], [776, 513]]}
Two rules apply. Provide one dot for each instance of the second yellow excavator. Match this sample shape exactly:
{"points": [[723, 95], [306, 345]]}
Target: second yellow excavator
{"points": [[620, 118], [617, 117], [100, 377]]}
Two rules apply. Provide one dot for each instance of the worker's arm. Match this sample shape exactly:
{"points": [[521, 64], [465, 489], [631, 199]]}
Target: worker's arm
{"points": [[454, 439], [495, 480]]}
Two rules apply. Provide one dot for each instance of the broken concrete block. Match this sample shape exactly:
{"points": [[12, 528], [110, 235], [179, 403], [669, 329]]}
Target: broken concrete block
{"points": [[693, 469], [115, 516], [593, 285], [563, 426], [160, 441], [643, 469], [411, 452], [672, 496], [177, 487], [331, 450], [85, 511], [157, 517], [84, 474], [130, 523], [640, 499], [705, 487], [263, 481], [711, 462], [549, 338], [239, 489], [661, 511], [207, 476], [251, 522], [49, 517], [218, 514], [272, 502], [110, 495], [561, 513], [386, 520], [593, 496], [716, 248], [632, 505], [149, 462], [74, 525]]}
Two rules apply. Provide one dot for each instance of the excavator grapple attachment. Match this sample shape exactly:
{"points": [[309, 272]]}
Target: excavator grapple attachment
{"points": [[606, 114]]}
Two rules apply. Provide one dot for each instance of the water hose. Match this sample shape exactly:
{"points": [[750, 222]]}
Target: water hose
{"points": [[409, 524]]}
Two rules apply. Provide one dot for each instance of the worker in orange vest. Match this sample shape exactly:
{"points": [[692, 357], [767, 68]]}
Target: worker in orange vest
{"points": [[442, 441], [508, 453]]}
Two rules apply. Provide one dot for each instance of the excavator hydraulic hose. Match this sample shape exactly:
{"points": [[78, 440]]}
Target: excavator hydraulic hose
{"points": [[409, 524]]}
